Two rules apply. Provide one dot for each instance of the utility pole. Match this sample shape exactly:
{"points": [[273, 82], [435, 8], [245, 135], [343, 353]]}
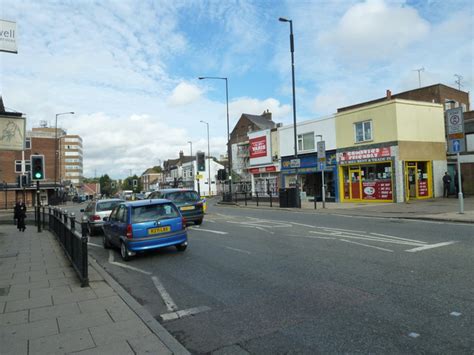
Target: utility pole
{"points": [[419, 75]]}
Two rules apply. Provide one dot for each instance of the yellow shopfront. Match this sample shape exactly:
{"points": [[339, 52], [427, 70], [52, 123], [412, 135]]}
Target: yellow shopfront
{"points": [[418, 180]]}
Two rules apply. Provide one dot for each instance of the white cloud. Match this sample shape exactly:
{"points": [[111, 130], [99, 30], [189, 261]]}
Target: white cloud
{"points": [[375, 30], [257, 107], [184, 94]]}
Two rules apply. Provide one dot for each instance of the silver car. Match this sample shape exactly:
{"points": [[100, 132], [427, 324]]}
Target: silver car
{"points": [[95, 212]]}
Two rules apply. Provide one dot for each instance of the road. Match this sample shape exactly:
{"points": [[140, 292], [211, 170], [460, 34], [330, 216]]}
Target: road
{"points": [[271, 282]]}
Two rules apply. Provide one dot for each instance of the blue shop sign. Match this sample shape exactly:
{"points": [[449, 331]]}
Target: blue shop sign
{"points": [[308, 161]]}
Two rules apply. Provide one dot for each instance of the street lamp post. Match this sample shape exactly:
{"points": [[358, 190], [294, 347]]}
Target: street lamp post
{"points": [[292, 50], [229, 148], [208, 157], [56, 156], [192, 162], [323, 198]]}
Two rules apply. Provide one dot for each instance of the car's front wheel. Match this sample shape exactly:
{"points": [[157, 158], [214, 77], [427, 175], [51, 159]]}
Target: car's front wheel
{"points": [[124, 252], [181, 247]]}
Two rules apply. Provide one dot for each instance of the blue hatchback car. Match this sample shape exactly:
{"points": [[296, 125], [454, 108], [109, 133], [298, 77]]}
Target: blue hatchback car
{"points": [[137, 226]]}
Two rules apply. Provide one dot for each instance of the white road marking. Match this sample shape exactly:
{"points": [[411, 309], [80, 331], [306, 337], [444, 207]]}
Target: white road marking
{"points": [[184, 313], [391, 236], [239, 250], [111, 256], [363, 237], [263, 230], [130, 268], [455, 314], [413, 335], [95, 245], [430, 246], [165, 296], [342, 230], [366, 245], [303, 225], [208, 230], [210, 221]]}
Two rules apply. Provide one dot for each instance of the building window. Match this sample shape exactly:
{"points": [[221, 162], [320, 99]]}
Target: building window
{"points": [[306, 141], [28, 143], [18, 166], [363, 131]]}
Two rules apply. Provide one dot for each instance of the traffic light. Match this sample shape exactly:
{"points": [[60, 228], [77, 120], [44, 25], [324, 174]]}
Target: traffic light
{"points": [[201, 161], [37, 167], [221, 174], [113, 184], [135, 182]]}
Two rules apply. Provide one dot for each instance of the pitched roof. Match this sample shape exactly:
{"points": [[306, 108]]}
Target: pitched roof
{"points": [[260, 120]]}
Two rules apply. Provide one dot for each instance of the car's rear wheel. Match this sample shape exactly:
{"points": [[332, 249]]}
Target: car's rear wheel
{"points": [[124, 252], [106, 242], [181, 247], [198, 222]]}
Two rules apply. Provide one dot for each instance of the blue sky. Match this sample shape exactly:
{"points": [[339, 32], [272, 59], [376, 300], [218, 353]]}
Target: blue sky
{"points": [[129, 68]]}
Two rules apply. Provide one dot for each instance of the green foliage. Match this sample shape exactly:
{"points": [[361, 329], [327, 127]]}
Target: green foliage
{"points": [[127, 184]]}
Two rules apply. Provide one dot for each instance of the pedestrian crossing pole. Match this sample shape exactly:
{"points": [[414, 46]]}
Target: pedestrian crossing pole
{"points": [[38, 215]]}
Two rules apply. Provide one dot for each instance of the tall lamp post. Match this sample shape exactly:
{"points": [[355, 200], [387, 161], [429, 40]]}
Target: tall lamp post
{"points": [[192, 165], [323, 189], [56, 157], [208, 157], [229, 148], [292, 50]]}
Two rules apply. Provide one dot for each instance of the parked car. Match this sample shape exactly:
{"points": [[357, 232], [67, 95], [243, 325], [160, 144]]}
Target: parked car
{"points": [[187, 200], [137, 226], [95, 212]]}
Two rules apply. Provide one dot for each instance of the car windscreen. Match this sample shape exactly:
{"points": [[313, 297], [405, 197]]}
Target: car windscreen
{"points": [[182, 196], [154, 212], [107, 206]]}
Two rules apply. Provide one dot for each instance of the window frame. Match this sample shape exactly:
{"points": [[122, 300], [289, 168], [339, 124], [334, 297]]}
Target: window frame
{"points": [[300, 141], [364, 137], [28, 143]]}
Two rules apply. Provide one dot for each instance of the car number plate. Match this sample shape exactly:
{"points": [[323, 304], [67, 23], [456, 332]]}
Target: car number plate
{"points": [[187, 208], [159, 230]]}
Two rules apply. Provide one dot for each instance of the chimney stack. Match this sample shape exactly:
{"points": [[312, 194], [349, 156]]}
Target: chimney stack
{"points": [[389, 95], [181, 155], [267, 114]]}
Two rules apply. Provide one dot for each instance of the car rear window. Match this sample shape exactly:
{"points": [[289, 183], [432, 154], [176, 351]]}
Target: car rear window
{"points": [[106, 206], [154, 212], [182, 196]]}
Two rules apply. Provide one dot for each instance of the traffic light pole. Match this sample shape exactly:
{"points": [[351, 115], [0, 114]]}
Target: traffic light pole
{"points": [[38, 215]]}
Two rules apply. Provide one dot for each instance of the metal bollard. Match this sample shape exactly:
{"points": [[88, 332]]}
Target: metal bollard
{"points": [[256, 193]]}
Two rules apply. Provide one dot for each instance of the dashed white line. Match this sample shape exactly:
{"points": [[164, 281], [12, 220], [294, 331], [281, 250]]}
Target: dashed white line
{"points": [[131, 268], [455, 314], [413, 335], [366, 245], [239, 250], [165, 296], [208, 230], [343, 230], [391, 236], [184, 313], [430, 246], [111, 256]]}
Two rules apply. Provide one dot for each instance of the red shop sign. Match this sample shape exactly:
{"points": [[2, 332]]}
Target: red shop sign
{"points": [[258, 147], [422, 188], [365, 154], [262, 169], [377, 190]]}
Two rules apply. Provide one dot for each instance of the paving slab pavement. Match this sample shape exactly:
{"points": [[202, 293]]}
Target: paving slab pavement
{"points": [[435, 209], [43, 309]]}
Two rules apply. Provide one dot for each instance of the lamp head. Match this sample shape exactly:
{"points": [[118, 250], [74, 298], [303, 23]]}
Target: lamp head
{"points": [[201, 78], [282, 19]]}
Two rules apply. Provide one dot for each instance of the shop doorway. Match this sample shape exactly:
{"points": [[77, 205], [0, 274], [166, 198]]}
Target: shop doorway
{"points": [[418, 180], [355, 186]]}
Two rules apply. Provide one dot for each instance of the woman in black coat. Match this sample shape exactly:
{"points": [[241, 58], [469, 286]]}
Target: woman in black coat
{"points": [[20, 215]]}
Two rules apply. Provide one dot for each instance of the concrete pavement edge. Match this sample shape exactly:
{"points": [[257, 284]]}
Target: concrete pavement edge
{"points": [[168, 340]]}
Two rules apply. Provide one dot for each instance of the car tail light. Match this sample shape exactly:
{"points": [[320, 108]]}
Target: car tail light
{"points": [[95, 218], [183, 222], [129, 231]]}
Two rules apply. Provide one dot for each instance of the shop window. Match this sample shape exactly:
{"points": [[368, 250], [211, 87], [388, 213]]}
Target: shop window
{"points": [[306, 141], [363, 131]]}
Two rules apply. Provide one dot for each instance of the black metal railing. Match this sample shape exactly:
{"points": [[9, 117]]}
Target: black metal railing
{"points": [[73, 242]]}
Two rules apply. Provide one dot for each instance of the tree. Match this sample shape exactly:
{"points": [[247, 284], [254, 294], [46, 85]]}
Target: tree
{"points": [[106, 185], [127, 184]]}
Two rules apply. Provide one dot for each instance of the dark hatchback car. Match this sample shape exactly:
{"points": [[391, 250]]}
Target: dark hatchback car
{"points": [[187, 200], [138, 226]]}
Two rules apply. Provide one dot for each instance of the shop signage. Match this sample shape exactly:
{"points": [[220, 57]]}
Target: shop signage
{"points": [[308, 161], [258, 147], [263, 169], [377, 190], [422, 188], [321, 150], [364, 155], [8, 36], [295, 163]]}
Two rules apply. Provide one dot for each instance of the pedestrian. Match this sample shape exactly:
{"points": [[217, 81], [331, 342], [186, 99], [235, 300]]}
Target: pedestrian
{"points": [[446, 184], [20, 215]]}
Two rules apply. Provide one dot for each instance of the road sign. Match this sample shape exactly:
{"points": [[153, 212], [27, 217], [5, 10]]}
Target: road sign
{"points": [[199, 176], [322, 165], [321, 150], [295, 163], [455, 120], [456, 146]]}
